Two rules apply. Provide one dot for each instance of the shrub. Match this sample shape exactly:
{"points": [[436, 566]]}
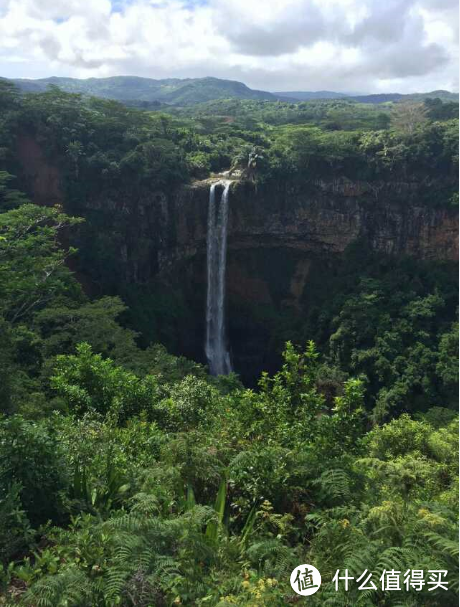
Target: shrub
{"points": [[31, 458]]}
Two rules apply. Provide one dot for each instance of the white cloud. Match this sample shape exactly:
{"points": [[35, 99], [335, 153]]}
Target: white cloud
{"points": [[366, 45]]}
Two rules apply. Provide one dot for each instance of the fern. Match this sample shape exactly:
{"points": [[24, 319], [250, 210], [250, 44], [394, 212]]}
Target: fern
{"points": [[70, 587], [335, 484]]}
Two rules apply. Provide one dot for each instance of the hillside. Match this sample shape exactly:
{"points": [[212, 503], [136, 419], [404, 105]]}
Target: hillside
{"points": [[308, 95], [376, 98], [173, 91], [385, 97], [149, 93]]}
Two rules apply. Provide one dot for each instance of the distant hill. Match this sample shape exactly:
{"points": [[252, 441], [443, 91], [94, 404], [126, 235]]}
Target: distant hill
{"points": [[385, 97], [173, 91], [443, 95], [378, 98], [375, 98], [149, 93], [308, 95]]}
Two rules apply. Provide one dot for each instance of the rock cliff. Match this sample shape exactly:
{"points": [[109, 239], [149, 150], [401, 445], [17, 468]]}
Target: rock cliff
{"points": [[323, 220], [278, 237]]}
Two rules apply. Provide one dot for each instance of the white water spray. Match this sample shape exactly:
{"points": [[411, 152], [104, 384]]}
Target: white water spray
{"points": [[215, 345]]}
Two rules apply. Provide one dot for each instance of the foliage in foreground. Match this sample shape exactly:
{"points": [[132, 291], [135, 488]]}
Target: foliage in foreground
{"points": [[200, 497]]}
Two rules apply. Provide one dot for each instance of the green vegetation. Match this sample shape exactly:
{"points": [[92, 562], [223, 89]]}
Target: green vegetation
{"points": [[130, 477], [393, 321], [146, 91], [340, 114], [150, 93], [101, 146]]}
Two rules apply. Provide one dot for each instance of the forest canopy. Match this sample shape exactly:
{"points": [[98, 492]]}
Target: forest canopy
{"points": [[129, 476]]}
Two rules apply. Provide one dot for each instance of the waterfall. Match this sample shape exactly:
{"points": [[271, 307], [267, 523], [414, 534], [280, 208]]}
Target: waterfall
{"points": [[215, 345]]}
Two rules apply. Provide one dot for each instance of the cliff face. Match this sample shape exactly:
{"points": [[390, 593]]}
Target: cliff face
{"points": [[281, 241], [42, 178], [324, 220]]}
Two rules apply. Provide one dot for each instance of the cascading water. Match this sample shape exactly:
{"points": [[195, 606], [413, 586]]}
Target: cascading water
{"points": [[215, 345]]}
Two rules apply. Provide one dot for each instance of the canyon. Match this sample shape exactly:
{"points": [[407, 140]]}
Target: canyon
{"points": [[283, 241]]}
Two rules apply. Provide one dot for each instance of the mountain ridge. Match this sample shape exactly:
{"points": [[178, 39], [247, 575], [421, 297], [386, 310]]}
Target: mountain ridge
{"points": [[142, 91], [173, 91]]}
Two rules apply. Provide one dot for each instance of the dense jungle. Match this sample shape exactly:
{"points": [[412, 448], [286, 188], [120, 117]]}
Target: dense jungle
{"points": [[131, 476]]}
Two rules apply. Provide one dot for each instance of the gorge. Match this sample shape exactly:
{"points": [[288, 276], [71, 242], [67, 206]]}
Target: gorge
{"points": [[286, 244], [322, 210]]}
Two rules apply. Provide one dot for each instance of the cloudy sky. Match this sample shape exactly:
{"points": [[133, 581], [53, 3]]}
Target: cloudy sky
{"points": [[277, 45]]}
